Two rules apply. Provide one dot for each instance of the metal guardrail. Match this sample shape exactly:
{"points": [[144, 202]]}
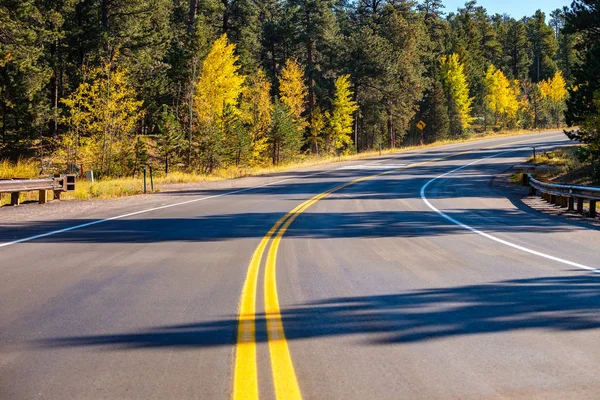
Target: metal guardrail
{"points": [[565, 195], [58, 184]]}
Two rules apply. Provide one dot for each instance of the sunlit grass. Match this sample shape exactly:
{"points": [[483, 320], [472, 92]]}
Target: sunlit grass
{"points": [[20, 169]]}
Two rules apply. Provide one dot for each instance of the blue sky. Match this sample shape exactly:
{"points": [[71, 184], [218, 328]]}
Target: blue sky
{"points": [[515, 8]]}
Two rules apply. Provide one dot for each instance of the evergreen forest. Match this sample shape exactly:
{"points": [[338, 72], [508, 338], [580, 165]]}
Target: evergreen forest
{"points": [[198, 85]]}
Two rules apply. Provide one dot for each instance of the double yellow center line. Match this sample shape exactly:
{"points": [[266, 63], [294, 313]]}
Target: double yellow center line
{"points": [[245, 385]]}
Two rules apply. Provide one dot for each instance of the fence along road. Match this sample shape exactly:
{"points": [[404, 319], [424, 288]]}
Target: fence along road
{"points": [[378, 295]]}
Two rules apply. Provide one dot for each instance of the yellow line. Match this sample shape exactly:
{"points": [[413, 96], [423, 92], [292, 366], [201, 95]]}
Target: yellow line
{"points": [[284, 376], [245, 381]]}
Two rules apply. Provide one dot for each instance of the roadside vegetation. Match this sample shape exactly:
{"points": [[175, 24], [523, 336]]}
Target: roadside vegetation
{"points": [[212, 90], [108, 188], [566, 167]]}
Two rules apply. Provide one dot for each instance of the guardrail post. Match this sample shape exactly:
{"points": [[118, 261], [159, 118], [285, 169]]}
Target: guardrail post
{"points": [[571, 204], [552, 199], [56, 194], [525, 180], [144, 180], [592, 208], [580, 205], [534, 154], [14, 199], [151, 179], [42, 197]]}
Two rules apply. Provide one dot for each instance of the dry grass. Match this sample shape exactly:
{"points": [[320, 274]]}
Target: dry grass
{"points": [[119, 187], [567, 168], [20, 169]]}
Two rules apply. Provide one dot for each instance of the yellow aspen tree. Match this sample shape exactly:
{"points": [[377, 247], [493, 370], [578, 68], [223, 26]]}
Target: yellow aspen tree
{"points": [[220, 83], [104, 109], [216, 106], [317, 127], [457, 88], [256, 109], [514, 103], [501, 97], [554, 91], [293, 91], [340, 122]]}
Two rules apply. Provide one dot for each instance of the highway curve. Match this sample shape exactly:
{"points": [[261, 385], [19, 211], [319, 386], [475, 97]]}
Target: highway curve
{"points": [[406, 276]]}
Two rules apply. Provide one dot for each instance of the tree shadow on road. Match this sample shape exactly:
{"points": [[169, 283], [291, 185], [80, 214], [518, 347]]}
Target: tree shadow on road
{"points": [[566, 303], [315, 225]]}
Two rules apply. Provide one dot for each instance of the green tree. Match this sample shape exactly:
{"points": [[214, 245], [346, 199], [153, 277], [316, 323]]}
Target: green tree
{"points": [[435, 113], [313, 24], [171, 137], [543, 47], [284, 137]]}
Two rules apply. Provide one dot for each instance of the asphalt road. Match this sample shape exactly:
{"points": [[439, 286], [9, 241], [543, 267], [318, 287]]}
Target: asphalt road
{"points": [[389, 284]]}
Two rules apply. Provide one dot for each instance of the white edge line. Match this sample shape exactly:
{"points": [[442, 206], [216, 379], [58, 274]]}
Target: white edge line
{"points": [[100, 221], [487, 235]]}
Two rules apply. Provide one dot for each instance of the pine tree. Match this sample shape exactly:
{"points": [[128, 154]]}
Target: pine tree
{"points": [[435, 113], [543, 47], [313, 24], [171, 137], [284, 137]]}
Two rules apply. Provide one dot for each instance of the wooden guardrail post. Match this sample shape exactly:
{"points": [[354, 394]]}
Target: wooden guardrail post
{"points": [[571, 206], [593, 208], [42, 197], [14, 198], [580, 205]]}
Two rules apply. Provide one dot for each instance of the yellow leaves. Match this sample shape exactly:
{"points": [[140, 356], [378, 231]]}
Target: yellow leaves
{"points": [[293, 90], [341, 116], [103, 110], [256, 111], [220, 83], [502, 96], [554, 92], [455, 80], [554, 88]]}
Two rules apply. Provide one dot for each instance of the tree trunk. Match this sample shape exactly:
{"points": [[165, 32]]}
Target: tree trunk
{"points": [[311, 80], [355, 98], [4, 119], [225, 15], [390, 129], [192, 15], [104, 4]]}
